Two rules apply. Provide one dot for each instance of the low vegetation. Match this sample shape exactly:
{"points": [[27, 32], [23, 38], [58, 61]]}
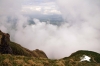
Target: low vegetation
{"points": [[72, 60], [13, 54]]}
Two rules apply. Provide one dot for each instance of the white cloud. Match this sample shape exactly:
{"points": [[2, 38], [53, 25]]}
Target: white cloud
{"points": [[80, 32], [31, 8], [50, 11], [43, 8], [10, 7], [40, 9]]}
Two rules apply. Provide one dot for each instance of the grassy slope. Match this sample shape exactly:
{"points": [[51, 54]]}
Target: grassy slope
{"points": [[74, 58], [19, 50], [93, 55], [17, 60]]}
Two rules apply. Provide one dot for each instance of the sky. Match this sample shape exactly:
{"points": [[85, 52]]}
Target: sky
{"points": [[80, 29], [41, 7]]}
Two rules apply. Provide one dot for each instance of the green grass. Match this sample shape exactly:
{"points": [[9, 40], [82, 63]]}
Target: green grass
{"points": [[17, 60], [19, 50], [76, 55]]}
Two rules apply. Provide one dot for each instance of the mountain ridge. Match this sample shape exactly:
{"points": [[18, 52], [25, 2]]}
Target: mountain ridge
{"points": [[13, 54]]}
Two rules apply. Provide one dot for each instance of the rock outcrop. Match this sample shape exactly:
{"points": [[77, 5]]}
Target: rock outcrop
{"points": [[4, 44], [9, 47]]}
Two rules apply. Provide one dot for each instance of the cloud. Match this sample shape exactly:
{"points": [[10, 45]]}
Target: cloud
{"points": [[78, 11], [44, 8], [39, 1], [10, 7], [80, 31]]}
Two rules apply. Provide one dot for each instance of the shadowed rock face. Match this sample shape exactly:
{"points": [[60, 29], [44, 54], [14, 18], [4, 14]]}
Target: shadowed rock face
{"points": [[4, 46]]}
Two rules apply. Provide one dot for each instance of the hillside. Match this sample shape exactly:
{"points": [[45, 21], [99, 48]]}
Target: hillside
{"points": [[9, 47], [73, 60], [13, 54], [95, 57]]}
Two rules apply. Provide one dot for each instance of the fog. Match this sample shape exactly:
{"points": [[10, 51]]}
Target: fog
{"points": [[79, 31]]}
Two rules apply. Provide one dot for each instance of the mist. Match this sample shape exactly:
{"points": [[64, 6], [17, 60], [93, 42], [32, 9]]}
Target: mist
{"points": [[79, 31]]}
